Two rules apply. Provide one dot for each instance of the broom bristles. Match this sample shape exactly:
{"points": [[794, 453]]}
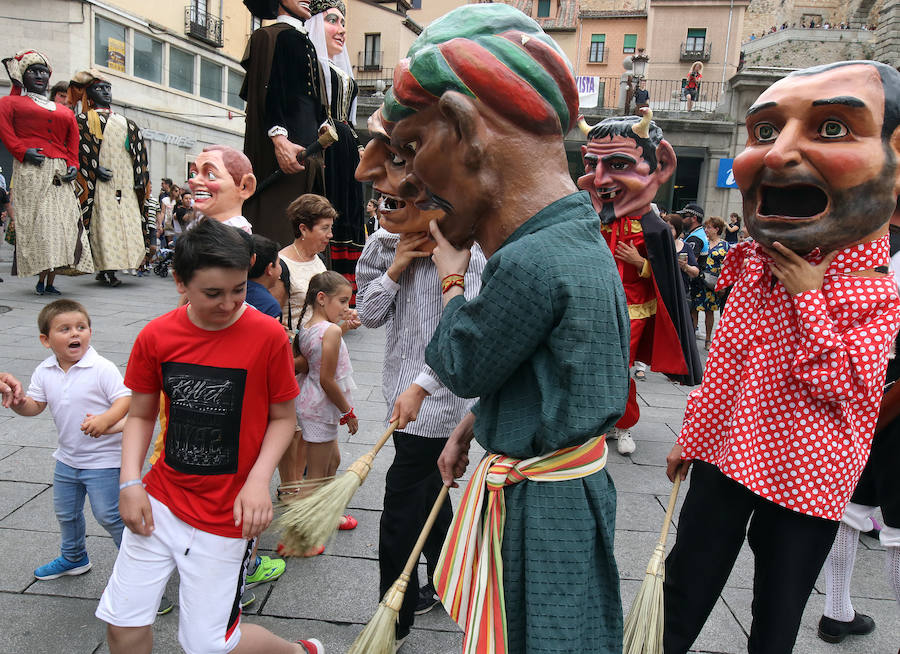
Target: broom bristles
{"points": [[643, 626], [310, 521], [379, 634]]}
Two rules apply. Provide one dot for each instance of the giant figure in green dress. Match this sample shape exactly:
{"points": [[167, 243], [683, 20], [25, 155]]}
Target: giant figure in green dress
{"points": [[479, 112]]}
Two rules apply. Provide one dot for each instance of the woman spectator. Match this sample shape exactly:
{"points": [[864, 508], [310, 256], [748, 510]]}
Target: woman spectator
{"points": [[183, 213], [705, 299], [167, 224], [686, 259], [692, 88], [732, 229]]}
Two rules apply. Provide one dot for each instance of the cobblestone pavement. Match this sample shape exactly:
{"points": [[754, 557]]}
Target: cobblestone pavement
{"points": [[329, 597]]}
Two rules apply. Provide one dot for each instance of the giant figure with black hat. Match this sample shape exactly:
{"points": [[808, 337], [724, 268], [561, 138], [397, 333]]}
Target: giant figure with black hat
{"points": [[283, 90]]}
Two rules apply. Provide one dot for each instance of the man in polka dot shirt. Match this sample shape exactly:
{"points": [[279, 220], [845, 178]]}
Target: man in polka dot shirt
{"points": [[782, 425]]}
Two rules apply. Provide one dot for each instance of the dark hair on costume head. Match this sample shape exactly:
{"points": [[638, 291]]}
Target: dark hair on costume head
{"points": [[55, 308], [890, 82], [307, 210], [210, 245], [621, 126], [328, 282], [266, 251]]}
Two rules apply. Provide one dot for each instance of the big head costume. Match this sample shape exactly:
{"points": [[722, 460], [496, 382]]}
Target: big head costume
{"points": [[483, 90], [782, 425], [48, 226]]}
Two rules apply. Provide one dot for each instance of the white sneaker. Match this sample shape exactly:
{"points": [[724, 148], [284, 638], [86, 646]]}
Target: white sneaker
{"points": [[625, 444]]}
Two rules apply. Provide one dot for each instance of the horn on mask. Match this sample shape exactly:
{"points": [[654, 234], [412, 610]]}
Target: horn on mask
{"points": [[642, 129], [583, 125]]}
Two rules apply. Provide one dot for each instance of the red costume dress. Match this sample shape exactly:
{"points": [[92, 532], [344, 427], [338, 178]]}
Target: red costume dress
{"points": [[660, 328], [48, 220]]}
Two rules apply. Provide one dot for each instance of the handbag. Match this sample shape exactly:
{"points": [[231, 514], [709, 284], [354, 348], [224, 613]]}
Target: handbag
{"points": [[710, 281]]}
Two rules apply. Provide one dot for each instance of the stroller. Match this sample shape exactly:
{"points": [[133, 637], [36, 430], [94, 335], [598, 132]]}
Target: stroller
{"points": [[162, 261]]}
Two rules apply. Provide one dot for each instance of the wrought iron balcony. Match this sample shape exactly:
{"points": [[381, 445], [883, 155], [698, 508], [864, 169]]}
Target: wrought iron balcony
{"points": [[696, 54], [202, 25], [369, 60]]}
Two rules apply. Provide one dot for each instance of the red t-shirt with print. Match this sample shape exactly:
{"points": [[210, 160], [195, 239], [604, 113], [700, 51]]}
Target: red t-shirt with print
{"points": [[218, 386]]}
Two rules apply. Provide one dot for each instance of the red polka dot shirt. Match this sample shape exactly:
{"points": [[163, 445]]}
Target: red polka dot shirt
{"points": [[793, 385]]}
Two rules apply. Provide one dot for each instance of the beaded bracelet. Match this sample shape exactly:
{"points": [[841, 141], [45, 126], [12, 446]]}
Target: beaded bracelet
{"points": [[347, 417], [450, 281]]}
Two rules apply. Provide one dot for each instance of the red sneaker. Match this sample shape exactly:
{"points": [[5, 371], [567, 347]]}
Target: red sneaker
{"points": [[312, 646]]}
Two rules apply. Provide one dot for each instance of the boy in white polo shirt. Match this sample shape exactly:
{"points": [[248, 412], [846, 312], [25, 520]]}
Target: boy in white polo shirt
{"points": [[88, 400]]}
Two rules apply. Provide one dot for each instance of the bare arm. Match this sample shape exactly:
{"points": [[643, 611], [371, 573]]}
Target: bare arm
{"points": [[113, 417], [27, 406], [331, 348], [134, 504], [253, 505]]}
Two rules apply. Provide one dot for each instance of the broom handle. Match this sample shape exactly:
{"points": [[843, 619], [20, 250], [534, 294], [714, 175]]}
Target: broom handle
{"points": [[673, 497], [423, 535], [384, 438]]}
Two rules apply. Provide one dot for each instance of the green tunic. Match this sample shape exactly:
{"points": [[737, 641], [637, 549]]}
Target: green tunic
{"points": [[545, 348]]}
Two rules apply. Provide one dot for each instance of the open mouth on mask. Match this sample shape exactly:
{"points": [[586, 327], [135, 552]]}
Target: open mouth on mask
{"points": [[389, 203], [798, 201], [607, 193], [202, 195]]}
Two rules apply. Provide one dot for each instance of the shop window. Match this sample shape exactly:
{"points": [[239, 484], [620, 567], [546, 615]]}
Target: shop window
{"points": [[235, 79], [372, 53], [210, 80], [147, 58], [181, 70], [598, 48], [630, 44], [109, 44]]}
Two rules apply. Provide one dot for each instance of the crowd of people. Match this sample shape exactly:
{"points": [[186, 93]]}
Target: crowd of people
{"points": [[250, 373], [809, 24]]}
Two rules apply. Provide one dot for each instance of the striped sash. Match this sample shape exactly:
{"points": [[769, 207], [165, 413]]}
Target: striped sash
{"points": [[469, 575]]}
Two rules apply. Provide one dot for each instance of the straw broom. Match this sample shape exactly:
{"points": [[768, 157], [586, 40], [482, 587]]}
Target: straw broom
{"points": [[309, 521], [378, 636], [644, 624]]}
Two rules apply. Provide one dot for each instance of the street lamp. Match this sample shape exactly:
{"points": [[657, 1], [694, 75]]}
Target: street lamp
{"points": [[638, 70]]}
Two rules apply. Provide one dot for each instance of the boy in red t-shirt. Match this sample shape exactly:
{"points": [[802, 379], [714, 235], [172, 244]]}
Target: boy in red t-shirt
{"points": [[227, 376]]}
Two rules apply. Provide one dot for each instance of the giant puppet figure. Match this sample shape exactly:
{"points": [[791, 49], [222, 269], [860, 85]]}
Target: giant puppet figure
{"points": [[43, 138], [221, 180], [113, 177], [544, 345], [625, 162], [285, 107], [782, 425]]}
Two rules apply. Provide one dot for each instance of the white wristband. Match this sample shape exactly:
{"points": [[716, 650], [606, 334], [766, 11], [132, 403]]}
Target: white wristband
{"points": [[126, 484], [278, 130]]}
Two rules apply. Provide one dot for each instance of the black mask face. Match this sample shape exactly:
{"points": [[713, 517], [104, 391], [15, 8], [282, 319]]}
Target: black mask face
{"points": [[36, 78], [100, 93]]}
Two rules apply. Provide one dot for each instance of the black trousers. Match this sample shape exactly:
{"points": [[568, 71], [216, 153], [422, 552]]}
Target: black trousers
{"points": [[411, 487], [788, 548]]}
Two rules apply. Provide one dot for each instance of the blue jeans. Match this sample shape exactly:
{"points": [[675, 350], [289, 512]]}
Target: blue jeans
{"points": [[69, 488]]}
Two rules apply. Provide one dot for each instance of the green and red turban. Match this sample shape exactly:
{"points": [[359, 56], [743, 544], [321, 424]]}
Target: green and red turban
{"points": [[495, 53]]}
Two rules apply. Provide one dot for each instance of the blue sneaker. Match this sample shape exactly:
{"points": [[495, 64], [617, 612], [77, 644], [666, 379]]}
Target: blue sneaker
{"points": [[61, 566], [52, 290], [39, 288]]}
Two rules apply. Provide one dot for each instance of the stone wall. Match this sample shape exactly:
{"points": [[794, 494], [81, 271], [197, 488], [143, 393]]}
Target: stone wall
{"points": [[764, 14], [799, 48]]}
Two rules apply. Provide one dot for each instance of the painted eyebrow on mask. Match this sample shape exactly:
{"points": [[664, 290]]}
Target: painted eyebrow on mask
{"points": [[612, 157], [845, 100], [759, 107]]}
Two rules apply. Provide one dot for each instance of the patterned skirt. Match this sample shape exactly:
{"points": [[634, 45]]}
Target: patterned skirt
{"points": [[48, 221]]}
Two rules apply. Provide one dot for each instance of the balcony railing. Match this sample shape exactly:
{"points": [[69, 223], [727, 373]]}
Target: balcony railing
{"points": [[369, 60], [696, 54], [202, 25], [367, 80], [665, 95]]}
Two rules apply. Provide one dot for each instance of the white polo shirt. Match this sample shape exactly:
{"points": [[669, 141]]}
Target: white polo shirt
{"points": [[90, 386]]}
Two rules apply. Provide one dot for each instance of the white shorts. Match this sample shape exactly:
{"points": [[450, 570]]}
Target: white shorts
{"points": [[318, 432], [212, 570]]}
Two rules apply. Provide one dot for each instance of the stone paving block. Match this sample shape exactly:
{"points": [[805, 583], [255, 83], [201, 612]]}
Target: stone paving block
{"points": [[654, 431], [38, 515], [869, 579], [721, 635], [23, 551], [38, 431], [7, 450], [883, 640], [50, 625], [633, 478], [657, 385], [14, 494], [651, 453], [633, 550], [102, 552], [668, 401], [662, 414], [32, 464], [638, 512], [359, 543], [331, 588]]}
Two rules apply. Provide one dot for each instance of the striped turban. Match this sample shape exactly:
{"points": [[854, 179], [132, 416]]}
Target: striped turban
{"points": [[496, 54]]}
